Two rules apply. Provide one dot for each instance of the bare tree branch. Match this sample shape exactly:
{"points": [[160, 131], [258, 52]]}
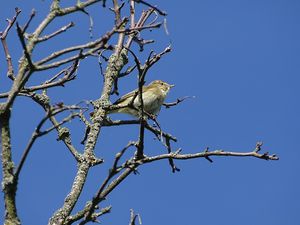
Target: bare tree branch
{"points": [[142, 20], [8, 186], [91, 22], [151, 6], [145, 27], [95, 216], [179, 100], [61, 30], [171, 161], [150, 62], [140, 143], [155, 131], [92, 46], [78, 7], [38, 133], [3, 35], [32, 14], [132, 13], [115, 64], [133, 218], [178, 156], [70, 74], [121, 166], [27, 54], [127, 72], [23, 74]]}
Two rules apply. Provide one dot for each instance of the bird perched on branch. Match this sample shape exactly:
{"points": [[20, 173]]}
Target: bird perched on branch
{"points": [[153, 95]]}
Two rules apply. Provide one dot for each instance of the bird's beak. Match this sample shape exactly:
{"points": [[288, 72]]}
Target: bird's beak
{"points": [[171, 85]]}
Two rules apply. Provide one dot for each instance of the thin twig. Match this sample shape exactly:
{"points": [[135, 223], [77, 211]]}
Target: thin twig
{"points": [[159, 133], [120, 154], [3, 35], [204, 154], [91, 22], [132, 165], [155, 131], [134, 29], [128, 71], [102, 193], [142, 20], [133, 218], [69, 76], [140, 144], [109, 122], [65, 70], [142, 42], [11, 22], [179, 100], [136, 60], [61, 30], [103, 211], [150, 62], [171, 161], [32, 14], [162, 13], [27, 55], [92, 46], [88, 211]]}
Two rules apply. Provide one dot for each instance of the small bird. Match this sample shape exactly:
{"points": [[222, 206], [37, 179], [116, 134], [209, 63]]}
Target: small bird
{"points": [[153, 94]]}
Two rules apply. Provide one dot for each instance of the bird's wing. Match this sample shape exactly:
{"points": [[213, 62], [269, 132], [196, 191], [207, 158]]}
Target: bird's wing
{"points": [[128, 95]]}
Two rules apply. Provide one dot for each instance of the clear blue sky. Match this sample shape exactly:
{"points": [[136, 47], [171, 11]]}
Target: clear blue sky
{"points": [[241, 59]]}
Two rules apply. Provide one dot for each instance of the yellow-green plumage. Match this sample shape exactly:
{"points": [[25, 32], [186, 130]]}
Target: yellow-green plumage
{"points": [[153, 95]]}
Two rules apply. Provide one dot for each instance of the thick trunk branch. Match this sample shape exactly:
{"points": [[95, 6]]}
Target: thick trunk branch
{"points": [[9, 187], [116, 63]]}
